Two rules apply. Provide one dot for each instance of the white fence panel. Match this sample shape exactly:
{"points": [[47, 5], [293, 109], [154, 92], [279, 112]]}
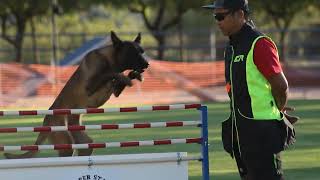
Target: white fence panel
{"points": [[155, 166]]}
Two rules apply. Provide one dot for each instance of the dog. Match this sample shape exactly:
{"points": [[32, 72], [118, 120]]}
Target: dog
{"points": [[99, 75]]}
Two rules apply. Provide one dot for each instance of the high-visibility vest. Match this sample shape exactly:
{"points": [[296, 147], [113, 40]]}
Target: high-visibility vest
{"points": [[250, 92]]}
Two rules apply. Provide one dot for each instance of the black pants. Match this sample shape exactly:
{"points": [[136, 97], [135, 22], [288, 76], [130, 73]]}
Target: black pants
{"points": [[260, 144], [258, 165]]}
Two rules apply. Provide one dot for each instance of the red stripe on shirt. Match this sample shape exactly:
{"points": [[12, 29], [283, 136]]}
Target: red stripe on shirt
{"points": [[266, 57]]}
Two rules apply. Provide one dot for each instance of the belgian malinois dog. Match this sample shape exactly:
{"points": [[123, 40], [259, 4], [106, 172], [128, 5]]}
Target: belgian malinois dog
{"points": [[99, 75]]}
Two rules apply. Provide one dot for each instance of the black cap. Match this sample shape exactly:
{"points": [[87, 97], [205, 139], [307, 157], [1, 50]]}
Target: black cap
{"points": [[229, 4]]}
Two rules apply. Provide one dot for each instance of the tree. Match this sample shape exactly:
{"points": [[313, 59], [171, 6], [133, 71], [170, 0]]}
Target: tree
{"points": [[16, 13], [282, 13], [159, 16]]}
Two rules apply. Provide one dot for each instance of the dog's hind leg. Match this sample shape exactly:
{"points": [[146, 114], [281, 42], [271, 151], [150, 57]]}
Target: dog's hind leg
{"points": [[80, 137], [64, 137]]}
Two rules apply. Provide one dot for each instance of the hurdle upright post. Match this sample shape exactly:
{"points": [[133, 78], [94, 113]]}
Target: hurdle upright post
{"points": [[205, 144]]}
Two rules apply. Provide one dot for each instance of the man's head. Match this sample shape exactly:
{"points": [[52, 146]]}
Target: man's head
{"points": [[229, 14]]}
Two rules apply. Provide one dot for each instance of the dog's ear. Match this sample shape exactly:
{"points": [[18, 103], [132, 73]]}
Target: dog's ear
{"points": [[138, 38], [115, 40]]}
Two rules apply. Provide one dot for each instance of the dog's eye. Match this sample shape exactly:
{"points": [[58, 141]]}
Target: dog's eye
{"points": [[140, 50]]}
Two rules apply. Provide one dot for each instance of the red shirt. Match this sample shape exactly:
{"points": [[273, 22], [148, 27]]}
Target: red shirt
{"points": [[266, 58]]}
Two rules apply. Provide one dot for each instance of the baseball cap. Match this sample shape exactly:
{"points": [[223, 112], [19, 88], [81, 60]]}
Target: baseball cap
{"points": [[229, 4]]}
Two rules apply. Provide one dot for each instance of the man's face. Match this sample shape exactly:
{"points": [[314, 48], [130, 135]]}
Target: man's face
{"points": [[226, 20]]}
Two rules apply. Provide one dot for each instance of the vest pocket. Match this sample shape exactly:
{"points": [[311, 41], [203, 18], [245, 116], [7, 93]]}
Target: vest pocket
{"points": [[226, 135], [288, 133]]}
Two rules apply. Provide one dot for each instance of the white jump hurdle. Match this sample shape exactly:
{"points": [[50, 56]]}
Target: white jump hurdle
{"points": [[159, 166], [155, 166]]}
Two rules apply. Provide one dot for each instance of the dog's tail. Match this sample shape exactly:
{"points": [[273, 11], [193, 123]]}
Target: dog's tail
{"points": [[40, 139], [28, 154]]}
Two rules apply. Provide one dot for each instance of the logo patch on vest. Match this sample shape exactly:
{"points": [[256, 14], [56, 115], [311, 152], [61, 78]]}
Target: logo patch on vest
{"points": [[238, 58]]}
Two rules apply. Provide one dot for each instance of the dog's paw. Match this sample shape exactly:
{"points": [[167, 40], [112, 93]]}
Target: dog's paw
{"points": [[135, 75], [125, 81], [117, 92]]}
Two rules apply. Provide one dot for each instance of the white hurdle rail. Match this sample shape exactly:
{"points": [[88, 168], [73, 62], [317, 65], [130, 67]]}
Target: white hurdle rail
{"points": [[100, 145], [100, 127], [203, 140], [98, 110]]}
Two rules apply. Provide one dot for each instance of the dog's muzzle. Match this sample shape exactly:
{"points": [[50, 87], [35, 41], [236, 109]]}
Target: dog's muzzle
{"points": [[145, 57], [145, 64]]}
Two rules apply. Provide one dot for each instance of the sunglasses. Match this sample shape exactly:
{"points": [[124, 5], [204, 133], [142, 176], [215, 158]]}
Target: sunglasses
{"points": [[221, 16]]}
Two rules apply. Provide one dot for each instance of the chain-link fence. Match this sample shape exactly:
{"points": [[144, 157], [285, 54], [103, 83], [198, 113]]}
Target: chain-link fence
{"points": [[186, 46]]}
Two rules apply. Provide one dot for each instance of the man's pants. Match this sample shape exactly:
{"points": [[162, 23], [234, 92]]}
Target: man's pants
{"points": [[258, 165]]}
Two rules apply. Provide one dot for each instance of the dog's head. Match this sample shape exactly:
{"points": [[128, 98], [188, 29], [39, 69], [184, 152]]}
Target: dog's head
{"points": [[129, 54]]}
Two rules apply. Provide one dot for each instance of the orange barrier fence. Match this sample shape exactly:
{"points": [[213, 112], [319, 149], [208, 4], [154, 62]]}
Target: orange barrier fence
{"points": [[202, 74]]}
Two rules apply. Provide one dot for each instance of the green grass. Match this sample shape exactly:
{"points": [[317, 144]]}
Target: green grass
{"points": [[300, 162]]}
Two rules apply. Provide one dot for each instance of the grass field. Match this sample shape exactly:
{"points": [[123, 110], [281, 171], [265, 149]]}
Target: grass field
{"points": [[300, 162]]}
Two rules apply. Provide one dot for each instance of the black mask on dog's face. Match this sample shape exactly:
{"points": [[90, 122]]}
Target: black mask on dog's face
{"points": [[130, 54]]}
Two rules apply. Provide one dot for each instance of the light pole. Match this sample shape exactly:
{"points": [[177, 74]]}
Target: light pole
{"points": [[54, 12]]}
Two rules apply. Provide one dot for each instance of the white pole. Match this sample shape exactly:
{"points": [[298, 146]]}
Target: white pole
{"points": [[97, 160], [1, 100], [213, 44]]}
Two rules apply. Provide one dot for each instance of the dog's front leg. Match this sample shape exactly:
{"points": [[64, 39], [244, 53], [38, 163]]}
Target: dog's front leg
{"points": [[119, 87], [98, 81]]}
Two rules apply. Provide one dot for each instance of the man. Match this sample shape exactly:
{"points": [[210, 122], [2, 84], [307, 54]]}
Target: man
{"points": [[258, 91]]}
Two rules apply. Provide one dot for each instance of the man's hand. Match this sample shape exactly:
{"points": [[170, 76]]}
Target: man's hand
{"points": [[291, 119]]}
